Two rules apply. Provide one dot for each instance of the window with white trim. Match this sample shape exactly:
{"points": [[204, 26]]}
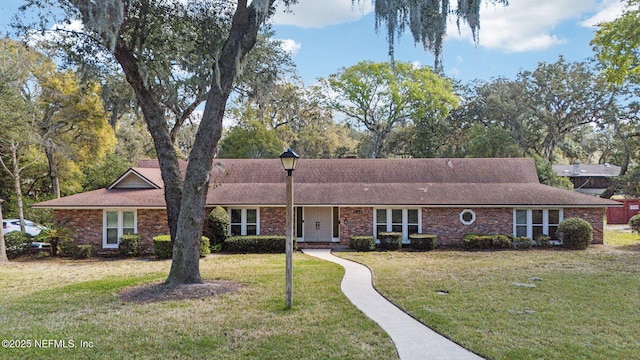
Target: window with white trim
{"points": [[117, 223], [244, 221], [535, 222], [467, 217], [405, 221]]}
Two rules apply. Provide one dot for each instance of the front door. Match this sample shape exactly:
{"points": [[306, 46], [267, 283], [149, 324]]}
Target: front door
{"points": [[318, 226]]}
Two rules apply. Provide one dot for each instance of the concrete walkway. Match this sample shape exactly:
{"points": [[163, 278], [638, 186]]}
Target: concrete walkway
{"points": [[412, 339]]}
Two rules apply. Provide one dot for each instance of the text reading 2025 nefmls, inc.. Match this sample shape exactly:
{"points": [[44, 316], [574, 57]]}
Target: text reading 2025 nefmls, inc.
{"points": [[46, 344]]}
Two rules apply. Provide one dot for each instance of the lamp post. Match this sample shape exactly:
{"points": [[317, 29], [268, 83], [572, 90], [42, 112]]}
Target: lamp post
{"points": [[3, 247], [289, 161]]}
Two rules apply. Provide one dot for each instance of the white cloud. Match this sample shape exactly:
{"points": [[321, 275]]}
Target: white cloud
{"points": [[609, 10], [291, 46], [317, 14], [524, 25]]}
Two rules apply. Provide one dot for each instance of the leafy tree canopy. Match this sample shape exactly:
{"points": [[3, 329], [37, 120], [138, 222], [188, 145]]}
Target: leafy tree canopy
{"points": [[617, 45]]}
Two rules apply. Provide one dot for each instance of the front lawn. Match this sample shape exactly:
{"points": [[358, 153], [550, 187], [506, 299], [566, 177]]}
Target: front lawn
{"points": [[585, 304], [63, 309]]}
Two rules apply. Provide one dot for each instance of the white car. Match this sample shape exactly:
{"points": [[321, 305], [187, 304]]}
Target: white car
{"points": [[31, 228]]}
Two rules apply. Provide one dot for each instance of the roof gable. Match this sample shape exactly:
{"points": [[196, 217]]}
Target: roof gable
{"points": [[134, 179]]}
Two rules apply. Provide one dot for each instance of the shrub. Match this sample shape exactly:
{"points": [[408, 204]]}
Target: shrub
{"points": [[634, 222], [55, 236], [502, 241], [68, 247], [522, 242], [163, 249], [362, 243], [17, 243], [423, 242], [390, 240], [218, 226], [543, 240], [496, 241], [84, 252], [129, 245], [257, 244], [474, 241], [575, 233], [204, 246]]}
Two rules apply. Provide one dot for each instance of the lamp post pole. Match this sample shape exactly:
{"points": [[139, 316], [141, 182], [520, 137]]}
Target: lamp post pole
{"points": [[289, 241], [289, 161]]}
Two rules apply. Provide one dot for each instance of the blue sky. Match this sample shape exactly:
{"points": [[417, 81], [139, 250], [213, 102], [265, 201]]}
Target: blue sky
{"points": [[327, 35]]}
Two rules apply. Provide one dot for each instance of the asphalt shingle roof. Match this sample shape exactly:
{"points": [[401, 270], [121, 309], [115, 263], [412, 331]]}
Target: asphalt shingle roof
{"points": [[361, 182]]}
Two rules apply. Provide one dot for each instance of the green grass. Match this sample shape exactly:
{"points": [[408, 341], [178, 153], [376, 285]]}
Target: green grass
{"points": [[77, 300], [587, 305]]}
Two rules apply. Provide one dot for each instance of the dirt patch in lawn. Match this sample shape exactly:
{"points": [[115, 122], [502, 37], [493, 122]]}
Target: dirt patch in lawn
{"points": [[151, 293]]}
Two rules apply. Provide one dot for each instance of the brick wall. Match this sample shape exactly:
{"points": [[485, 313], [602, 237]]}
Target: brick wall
{"points": [[86, 224], [355, 221], [273, 220], [445, 222], [151, 222], [595, 217]]}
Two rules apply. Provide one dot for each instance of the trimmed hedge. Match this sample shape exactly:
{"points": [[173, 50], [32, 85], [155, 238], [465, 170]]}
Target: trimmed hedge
{"points": [[522, 242], [162, 246], [257, 244], [17, 243], [478, 242], [130, 245], [423, 242], [575, 233], [390, 240], [362, 243], [163, 249]]}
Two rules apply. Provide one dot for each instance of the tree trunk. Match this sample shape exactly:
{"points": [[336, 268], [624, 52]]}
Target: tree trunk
{"points": [[53, 168], [186, 251], [154, 118], [16, 184]]}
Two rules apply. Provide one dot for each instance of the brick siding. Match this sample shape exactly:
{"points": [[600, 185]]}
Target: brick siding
{"points": [[355, 221], [595, 217], [273, 221], [445, 222]]}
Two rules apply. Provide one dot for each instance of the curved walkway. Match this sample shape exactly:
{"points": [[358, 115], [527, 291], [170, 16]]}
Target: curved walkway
{"points": [[412, 339]]}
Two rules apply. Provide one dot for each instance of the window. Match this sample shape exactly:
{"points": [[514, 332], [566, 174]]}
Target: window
{"points": [[244, 221], [116, 224], [405, 221], [299, 221], [467, 217], [535, 222], [336, 222]]}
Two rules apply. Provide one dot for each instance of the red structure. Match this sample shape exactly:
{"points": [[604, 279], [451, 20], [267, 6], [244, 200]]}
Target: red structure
{"points": [[621, 215]]}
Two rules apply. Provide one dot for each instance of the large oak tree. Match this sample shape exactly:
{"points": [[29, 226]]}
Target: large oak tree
{"points": [[143, 34]]}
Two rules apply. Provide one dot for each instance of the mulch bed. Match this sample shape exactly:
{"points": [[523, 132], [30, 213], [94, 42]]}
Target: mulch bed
{"points": [[151, 293]]}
